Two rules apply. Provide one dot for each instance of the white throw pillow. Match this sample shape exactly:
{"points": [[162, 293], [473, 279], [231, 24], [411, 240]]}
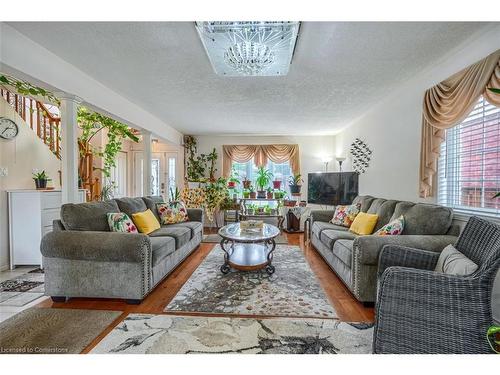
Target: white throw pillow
{"points": [[453, 262]]}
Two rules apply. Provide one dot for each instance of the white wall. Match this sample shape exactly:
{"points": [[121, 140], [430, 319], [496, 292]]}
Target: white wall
{"points": [[392, 130], [312, 148], [21, 155]]}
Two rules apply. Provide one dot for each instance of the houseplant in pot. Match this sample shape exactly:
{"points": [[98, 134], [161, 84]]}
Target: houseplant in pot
{"points": [[233, 180], [253, 194], [263, 179], [276, 184], [295, 183], [269, 194], [41, 179], [246, 193], [246, 183]]}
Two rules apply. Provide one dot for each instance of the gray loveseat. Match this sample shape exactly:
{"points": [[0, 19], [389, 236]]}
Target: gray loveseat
{"points": [[355, 258], [83, 258]]}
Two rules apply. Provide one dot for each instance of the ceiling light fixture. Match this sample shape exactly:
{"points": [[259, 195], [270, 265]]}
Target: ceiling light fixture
{"points": [[241, 48]]}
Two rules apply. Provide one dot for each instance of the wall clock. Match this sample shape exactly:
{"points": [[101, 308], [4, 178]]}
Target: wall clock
{"points": [[8, 128]]}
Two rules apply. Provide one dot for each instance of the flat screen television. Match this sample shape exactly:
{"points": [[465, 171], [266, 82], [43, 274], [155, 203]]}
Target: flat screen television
{"points": [[332, 188]]}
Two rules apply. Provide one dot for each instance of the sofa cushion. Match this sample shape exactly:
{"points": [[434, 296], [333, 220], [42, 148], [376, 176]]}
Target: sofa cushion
{"points": [[393, 228], [145, 222], [364, 224], [384, 209], [172, 212], [151, 201], [345, 215], [194, 226], [121, 222], [421, 218], [182, 235], [342, 249], [319, 226], [88, 216], [161, 248], [365, 201], [328, 237], [131, 205]]}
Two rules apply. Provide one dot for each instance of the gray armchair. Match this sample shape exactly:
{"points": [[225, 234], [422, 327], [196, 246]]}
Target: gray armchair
{"points": [[422, 311]]}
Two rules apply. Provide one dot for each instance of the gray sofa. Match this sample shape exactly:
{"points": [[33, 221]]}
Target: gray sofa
{"points": [[83, 258], [355, 258]]}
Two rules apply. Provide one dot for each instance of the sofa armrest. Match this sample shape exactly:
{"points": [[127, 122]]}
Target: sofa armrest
{"points": [[367, 248], [96, 246], [321, 215], [195, 214]]}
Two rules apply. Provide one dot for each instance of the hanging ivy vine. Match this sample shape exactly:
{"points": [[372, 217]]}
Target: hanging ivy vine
{"points": [[27, 89]]}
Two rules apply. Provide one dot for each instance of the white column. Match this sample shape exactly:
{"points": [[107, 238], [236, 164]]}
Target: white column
{"points": [[146, 166], [69, 145]]}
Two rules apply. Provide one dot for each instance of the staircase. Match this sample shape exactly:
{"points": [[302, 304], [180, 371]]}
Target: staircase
{"points": [[43, 120]]}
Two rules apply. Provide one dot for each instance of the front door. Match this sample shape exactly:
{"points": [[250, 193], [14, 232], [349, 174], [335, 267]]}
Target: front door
{"points": [[163, 173]]}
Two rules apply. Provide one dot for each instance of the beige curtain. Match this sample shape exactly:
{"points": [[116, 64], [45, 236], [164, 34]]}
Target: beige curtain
{"points": [[260, 154], [447, 104]]}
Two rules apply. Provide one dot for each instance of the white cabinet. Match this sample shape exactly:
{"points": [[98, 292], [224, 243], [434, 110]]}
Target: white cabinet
{"points": [[31, 213]]}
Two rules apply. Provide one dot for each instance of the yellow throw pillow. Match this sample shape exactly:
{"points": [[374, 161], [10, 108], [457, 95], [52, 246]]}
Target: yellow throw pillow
{"points": [[145, 222], [364, 223]]}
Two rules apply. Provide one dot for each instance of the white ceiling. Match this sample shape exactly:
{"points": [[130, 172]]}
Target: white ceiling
{"points": [[338, 71]]}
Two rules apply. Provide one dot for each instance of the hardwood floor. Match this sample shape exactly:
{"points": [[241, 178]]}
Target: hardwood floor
{"points": [[347, 307]]}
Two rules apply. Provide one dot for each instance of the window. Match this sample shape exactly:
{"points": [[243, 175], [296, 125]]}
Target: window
{"points": [[281, 172], [469, 165], [171, 175]]}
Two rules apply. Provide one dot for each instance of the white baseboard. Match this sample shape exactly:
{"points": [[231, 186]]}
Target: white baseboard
{"points": [[4, 267]]}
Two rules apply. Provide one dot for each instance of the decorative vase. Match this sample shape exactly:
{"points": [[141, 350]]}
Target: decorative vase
{"points": [[295, 189], [277, 184]]}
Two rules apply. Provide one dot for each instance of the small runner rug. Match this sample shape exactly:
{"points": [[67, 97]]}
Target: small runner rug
{"points": [[168, 334], [293, 290], [53, 331]]}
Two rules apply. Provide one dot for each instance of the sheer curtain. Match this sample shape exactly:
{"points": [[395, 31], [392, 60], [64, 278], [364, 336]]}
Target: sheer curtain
{"points": [[447, 104]]}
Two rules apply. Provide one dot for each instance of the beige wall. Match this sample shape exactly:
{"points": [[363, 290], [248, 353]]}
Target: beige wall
{"points": [[21, 155]]}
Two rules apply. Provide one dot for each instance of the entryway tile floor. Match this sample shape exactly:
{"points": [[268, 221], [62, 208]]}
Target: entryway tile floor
{"points": [[13, 302]]}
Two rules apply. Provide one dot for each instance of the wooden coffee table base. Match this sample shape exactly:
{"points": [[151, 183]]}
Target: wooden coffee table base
{"points": [[248, 256]]}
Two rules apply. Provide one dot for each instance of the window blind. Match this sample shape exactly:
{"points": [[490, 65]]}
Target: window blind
{"points": [[469, 165]]}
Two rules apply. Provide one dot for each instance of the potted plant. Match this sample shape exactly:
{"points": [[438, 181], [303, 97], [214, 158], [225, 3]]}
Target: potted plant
{"points": [[273, 211], [260, 210], [41, 179], [269, 194], [175, 195], [246, 183], [263, 179], [233, 180], [250, 209], [253, 194], [276, 184], [246, 193], [295, 183]]}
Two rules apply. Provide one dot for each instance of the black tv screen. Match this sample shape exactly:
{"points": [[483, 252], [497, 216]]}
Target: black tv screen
{"points": [[332, 188]]}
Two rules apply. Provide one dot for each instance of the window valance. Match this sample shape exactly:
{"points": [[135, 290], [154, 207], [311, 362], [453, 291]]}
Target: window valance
{"points": [[277, 153], [447, 104]]}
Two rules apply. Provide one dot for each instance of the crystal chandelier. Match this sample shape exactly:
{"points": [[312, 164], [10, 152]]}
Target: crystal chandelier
{"points": [[249, 58], [249, 48]]}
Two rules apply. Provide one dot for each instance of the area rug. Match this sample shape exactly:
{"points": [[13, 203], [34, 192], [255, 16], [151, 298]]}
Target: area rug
{"points": [[22, 289], [292, 290], [168, 334], [215, 238], [52, 331]]}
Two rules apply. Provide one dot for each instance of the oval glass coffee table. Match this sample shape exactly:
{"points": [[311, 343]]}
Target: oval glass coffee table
{"points": [[248, 250]]}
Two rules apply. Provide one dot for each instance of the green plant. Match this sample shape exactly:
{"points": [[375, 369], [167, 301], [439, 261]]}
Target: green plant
{"points": [[295, 179], [497, 195], [264, 176], [41, 176], [27, 89], [216, 192], [175, 195], [235, 177], [107, 192], [496, 91], [251, 189], [91, 123], [212, 159]]}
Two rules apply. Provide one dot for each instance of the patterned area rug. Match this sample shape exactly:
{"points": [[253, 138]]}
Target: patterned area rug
{"points": [[292, 290], [215, 238], [46, 331], [169, 334], [23, 289]]}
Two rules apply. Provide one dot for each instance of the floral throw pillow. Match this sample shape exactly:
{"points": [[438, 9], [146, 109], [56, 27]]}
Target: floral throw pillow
{"points": [[172, 212], [345, 215], [121, 222], [393, 228]]}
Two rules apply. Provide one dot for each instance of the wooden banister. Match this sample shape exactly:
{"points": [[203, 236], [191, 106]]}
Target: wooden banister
{"points": [[45, 124]]}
